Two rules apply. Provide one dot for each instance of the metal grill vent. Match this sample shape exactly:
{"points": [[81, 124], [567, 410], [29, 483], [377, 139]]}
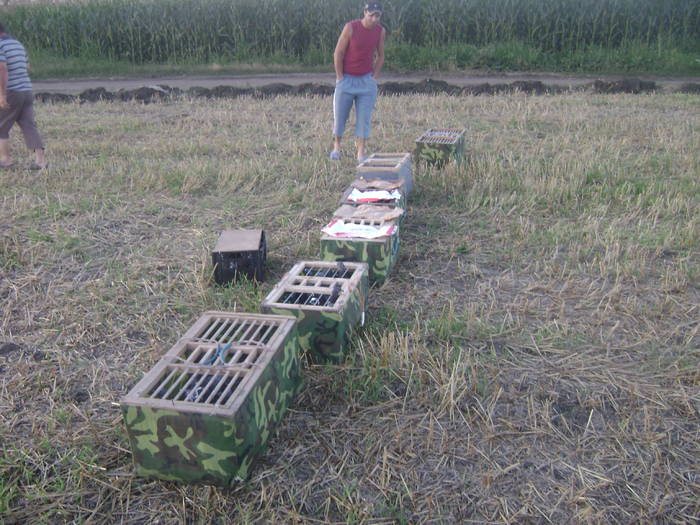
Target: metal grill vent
{"points": [[197, 385], [242, 353], [339, 271], [206, 374], [312, 299], [222, 330], [441, 136], [316, 285], [214, 365]]}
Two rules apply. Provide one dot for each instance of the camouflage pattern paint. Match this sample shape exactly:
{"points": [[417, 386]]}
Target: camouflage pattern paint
{"points": [[435, 154], [380, 256], [324, 335], [216, 449]]}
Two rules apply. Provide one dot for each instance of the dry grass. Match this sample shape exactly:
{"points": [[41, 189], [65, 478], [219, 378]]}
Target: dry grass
{"points": [[535, 359]]}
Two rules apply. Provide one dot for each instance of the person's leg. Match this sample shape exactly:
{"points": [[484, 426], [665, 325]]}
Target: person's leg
{"points": [[7, 118], [364, 107], [27, 123], [342, 104], [336, 144], [5, 158], [360, 144]]}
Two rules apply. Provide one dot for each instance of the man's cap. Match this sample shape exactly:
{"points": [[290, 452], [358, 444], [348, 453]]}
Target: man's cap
{"points": [[373, 7]]}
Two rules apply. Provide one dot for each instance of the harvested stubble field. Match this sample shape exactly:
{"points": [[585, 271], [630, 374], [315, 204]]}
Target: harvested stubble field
{"points": [[534, 359]]}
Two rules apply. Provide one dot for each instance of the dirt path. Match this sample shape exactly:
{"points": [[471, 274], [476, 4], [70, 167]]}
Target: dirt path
{"points": [[76, 86]]}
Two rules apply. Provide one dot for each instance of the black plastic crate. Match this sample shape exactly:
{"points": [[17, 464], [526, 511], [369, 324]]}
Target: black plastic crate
{"points": [[239, 253]]}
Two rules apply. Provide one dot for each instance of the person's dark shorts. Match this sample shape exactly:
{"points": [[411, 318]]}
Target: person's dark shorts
{"points": [[21, 111]]}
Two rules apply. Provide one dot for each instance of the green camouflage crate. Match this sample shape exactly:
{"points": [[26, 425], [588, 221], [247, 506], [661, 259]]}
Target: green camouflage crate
{"points": [[438, 146], [328, 299], [360, 192], [208, 407], [388, 167], [379, 253]]}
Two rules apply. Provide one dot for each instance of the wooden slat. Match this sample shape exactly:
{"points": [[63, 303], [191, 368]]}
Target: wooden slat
{"points": [[286, 285], [248, 370], [446, 136]]}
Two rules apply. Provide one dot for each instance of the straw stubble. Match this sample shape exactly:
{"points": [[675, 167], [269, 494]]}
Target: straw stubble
{"points": [[534, 356]]}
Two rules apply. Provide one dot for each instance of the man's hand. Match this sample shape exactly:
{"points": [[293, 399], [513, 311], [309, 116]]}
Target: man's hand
{"points": [[3, 102]]}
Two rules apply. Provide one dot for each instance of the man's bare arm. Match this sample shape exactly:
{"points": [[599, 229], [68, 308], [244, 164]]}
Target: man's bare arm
{"points": [[3, 85], [340, 48], [379, 58]]}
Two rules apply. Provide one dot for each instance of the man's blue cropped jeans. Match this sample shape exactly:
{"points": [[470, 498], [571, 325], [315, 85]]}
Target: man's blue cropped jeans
{"points": [[360, 90]]}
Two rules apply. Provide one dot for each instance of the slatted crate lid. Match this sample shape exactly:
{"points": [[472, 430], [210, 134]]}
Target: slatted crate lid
{"points": [[380, 212], [384, 161], [441, 136], [212, 368], [317, 285]]}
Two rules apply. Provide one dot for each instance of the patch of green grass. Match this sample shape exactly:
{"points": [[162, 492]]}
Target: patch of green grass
{"points": [[40, 236], [370, 377], [242, 295], [8, 487]]}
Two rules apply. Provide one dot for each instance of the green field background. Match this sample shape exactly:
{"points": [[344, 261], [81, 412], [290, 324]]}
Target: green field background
{"points": [[575, 35]]}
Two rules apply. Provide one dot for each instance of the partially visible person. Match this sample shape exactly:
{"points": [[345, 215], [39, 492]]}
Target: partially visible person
{"points": [[17, 102], [358, 60]]}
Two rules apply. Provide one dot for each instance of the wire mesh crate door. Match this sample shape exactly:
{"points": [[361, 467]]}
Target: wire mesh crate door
{"points": [[437, 146], [206, 423], [329, 308]]}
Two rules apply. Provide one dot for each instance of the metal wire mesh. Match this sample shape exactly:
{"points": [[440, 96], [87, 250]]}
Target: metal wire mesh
{"points": [[441, 136], [222, 330], [197, 385]]}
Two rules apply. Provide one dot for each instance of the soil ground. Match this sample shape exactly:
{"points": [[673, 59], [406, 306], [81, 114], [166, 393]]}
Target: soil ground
{"points": [[76, 86], [534, 357]]}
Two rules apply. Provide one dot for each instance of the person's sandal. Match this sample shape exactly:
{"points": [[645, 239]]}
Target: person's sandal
{"points": [[5, 165], [37, 167], [335, 155]]}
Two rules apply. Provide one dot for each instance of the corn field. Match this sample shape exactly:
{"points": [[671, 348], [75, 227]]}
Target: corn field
{"points": [[159, 31]]}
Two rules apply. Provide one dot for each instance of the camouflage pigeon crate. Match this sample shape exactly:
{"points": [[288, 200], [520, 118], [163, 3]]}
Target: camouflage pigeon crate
{"points": [[380, 253], [389, 167], [208, 407], [385, 193], [438, 146], [239, 253], [328, 299]]}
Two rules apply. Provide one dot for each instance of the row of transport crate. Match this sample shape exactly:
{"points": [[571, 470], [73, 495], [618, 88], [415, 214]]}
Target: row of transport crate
{"points": [[210, 404]]}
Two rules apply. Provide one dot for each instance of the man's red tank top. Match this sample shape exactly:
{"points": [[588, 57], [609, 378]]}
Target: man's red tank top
{"points": [[359, 56]]}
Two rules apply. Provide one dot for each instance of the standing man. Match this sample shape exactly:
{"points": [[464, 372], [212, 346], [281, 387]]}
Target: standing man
{"points": [[17, 102], [358, 60]]}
